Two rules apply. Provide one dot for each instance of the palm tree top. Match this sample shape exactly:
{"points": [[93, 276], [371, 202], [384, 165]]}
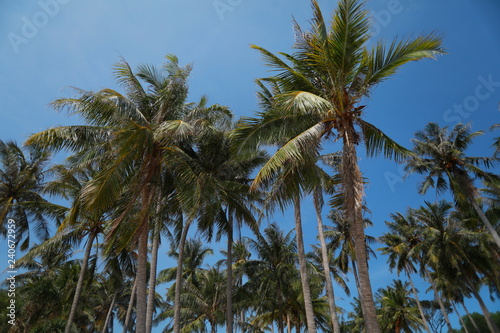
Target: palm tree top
{"points": [[440, 153]]}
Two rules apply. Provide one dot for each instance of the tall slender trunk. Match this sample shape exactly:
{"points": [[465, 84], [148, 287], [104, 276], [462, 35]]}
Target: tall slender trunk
{"points": [[288, 326], [304, 277], [281, 326], [130, 306], [326, 264], [152, 276], [242, 315], [178, 278], [353, 199], [356, 281], [439, 300], [142, 280], [459, 317], [358, 287], [487, 315], [419, 305], [111, 323], [487, 223], [470, 318], [229, 285], [109, 315], [79, 285]]}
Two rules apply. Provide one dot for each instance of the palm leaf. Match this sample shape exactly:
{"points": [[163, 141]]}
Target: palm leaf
{"points": [[377, 142], [383, 62]]}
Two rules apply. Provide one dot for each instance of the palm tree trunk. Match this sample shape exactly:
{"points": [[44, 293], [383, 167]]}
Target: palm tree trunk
{"points": [[110, 323], [152, 276], [326, 264], [487, 315], [229, 285], [439, 300], [487, 223], [214, 327], [304, 277], [242, 315], [178, 278], [108, 316], [459, 317], [358, 287], [142, 280], [356, 280], [353, 198], [470, 317], [130, 306], [414, 290], [79, 285]]}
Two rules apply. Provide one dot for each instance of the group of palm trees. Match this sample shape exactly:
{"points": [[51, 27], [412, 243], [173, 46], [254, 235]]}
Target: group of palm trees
{"points": [[148, 167]]}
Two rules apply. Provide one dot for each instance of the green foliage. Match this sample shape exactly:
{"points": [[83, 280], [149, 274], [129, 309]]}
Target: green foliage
{"points": [[480, 322]]}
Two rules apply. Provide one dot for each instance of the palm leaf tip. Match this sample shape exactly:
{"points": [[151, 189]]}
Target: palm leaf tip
{"points": [[378, 142]]}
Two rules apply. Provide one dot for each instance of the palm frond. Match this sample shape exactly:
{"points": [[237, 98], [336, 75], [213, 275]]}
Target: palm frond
{"points": [[378, 142], [74, 138], [383, 62]]}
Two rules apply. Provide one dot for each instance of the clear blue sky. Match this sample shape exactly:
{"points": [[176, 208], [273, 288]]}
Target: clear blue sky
{"points": [[48, 45]]}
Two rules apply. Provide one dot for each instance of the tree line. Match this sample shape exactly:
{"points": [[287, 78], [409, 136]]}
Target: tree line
{"points": [[148, 167]]}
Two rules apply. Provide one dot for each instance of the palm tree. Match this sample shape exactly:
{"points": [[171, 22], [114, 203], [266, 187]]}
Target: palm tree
{"points": [[137, 135], [195, 253], [398, 312], [272, 276], [228, 203], [403, 237], [22, 176], [357, 322], [67, 183], [241, 255], [206, 301], [454, 254], [202, 295], [321, 88], [41, 280], [222, 200], [440, 156], [341, 242]]}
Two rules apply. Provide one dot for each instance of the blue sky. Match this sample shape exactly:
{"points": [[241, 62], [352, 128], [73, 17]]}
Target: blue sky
{"points": [[48, 45]]}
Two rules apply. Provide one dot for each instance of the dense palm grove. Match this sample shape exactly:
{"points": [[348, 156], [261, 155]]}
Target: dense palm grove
{"points": [[147, 168]]}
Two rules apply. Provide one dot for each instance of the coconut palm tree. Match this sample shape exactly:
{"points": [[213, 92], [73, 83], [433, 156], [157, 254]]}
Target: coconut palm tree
{"points": [[224, 201], [398, 311], [206, 301], [228, 203], [453, 254], [42, 279], [137, 135], [322, 87], [22, 176], [67, 183], [403, 237], [203, 290], [315, 257], [341, 243], [195, 253], [440, 156], [271, 275]]}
